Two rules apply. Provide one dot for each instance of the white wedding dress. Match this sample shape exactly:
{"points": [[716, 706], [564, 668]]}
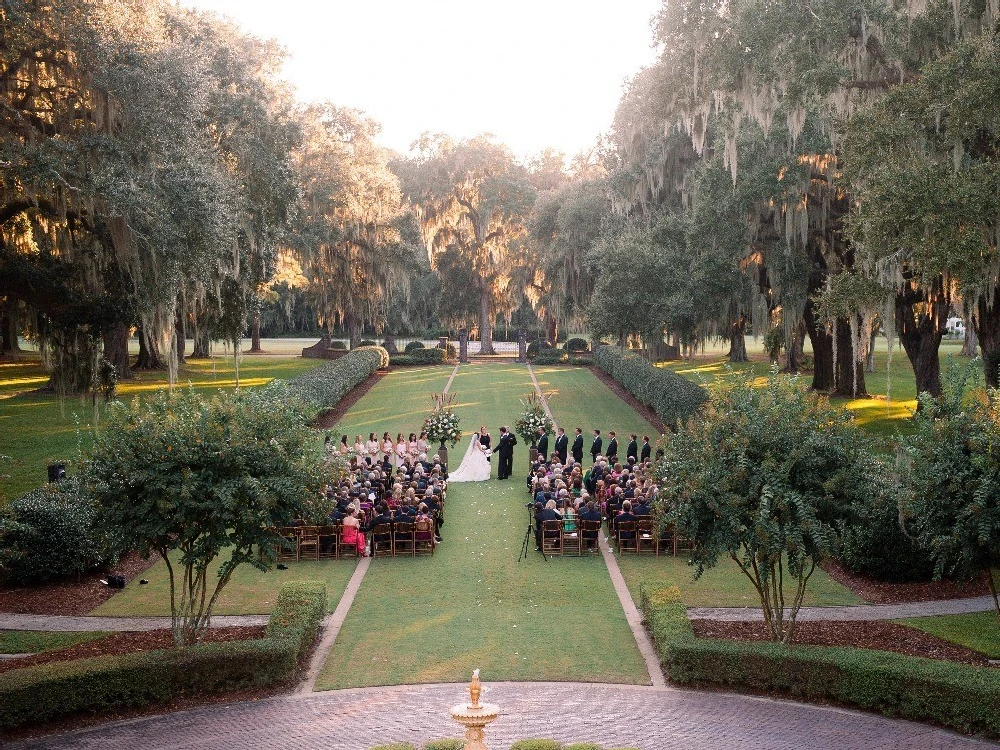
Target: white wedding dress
{"points": [[474, 466]]}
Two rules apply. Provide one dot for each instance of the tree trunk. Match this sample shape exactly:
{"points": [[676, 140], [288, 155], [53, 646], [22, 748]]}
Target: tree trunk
{"points": [[180, 336], [353, 330], [921, 320], [485, 323], [738, 341], [9, 328], [793, 348], [870, 359], [849, 366], [822, 346], [988, 332], [149, 352], [255, 334], [116, 350], [970, 346], [551, 329], [202, 343]]}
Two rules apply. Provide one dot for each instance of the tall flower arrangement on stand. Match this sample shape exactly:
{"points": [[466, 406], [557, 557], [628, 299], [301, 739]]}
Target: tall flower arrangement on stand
{"points": [[442, 423], [532, 418]]}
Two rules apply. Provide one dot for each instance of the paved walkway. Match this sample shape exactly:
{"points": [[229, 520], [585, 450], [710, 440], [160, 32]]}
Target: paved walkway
{"points": [[614, 716], [60, 623], [859, 612]]}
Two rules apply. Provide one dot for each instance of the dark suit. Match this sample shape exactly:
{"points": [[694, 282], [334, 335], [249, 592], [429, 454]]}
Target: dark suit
{"points": [[505, 449], [562, 443], [613, 448], [578, 448], [595, 449], [644, 456], [632, 450], [543, 447]]}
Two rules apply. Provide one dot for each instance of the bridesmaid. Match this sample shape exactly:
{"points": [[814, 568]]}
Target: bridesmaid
{"points": [[402, 449], [371, 448], [343, 448], [411, 447], [359, 447], [422, 444], [387, 451]]}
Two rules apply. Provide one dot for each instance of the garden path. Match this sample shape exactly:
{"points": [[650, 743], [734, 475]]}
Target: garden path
{"points": [[854, 612]]}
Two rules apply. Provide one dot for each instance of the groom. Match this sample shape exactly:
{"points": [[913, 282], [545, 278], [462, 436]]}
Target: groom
{"points": [[505, 449]]}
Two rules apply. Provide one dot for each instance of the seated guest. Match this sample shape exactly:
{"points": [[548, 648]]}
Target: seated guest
{"points": [[352, 531], [590, 513], [569, 515], [624, 517]]}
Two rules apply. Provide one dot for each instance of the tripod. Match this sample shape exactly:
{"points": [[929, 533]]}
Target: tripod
{"points": [[527, 540]]}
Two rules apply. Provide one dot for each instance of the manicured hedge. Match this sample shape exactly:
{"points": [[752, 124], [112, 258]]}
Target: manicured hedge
{"points": [[577, 345], [957, 696], [425, 356], [413, 346], [672, 397], [327, 384], [35, 695], [553, 357]]}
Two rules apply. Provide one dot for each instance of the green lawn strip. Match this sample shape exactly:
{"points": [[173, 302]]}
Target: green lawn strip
{"points": [[434, 619], [39, 428], [397, 403], [978, 630], [578, 398], [471, 605], [725, 585], [33, 641], [249, 592]]}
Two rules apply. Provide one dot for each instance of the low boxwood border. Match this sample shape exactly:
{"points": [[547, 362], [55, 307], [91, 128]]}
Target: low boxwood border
{"points": [[325, 385], [35, 695], [957, 696]]}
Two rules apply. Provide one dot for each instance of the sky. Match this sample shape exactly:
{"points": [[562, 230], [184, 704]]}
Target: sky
{"points": [[535, 73]]}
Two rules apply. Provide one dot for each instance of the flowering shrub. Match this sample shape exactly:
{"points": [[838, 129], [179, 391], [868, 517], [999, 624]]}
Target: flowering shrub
{"points": [[442, 424], [534, 416]]}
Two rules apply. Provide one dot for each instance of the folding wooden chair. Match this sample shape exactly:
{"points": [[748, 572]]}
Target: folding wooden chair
{"points": [[572, 541], [288, 547], [329, 542], [308, 543], [382, 540], [627, 538], [645, 537], [552, 537], [345, 549], [403, 539], [590, 532], [423, 537]]}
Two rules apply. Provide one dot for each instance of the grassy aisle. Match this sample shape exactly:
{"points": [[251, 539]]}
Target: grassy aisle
{"points": [[434, 619]]}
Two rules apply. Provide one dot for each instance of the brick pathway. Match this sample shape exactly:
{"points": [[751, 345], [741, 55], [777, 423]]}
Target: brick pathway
{"points": [[859, 612], [647, 718]]}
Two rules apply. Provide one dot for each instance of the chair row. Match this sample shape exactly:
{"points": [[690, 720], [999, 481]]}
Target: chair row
{"points": [[328, 543], [642, 537], [403, 538]]}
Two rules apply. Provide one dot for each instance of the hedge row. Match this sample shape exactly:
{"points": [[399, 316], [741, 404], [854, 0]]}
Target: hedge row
{"points": [[552, 357], [672, 397], [957, 696], [327, 384], [43, 693], [519, 745], [419, 356]]}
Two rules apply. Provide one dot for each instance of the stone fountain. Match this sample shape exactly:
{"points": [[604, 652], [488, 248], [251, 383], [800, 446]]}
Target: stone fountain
{"points": [[475, 716]]}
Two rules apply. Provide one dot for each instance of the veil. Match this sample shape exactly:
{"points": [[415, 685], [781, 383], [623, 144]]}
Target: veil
{"points": [[466, 472]]}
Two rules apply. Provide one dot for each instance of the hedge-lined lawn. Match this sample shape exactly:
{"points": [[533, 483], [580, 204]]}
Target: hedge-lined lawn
{"points": [[471, 605], [249, 592], [722, 586], [397, 403], [39, 428], [579, 399], [33, 642], [979, 630]]}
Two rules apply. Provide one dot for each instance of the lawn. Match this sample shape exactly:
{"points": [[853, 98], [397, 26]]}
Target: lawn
{"points": [[37, 428], [979, 631], [722, 586], [472, 605], [249, 592], [33, 642], [579, 399]]}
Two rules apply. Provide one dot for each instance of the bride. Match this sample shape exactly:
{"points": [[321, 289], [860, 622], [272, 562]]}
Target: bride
{"points": [[474, 467]]}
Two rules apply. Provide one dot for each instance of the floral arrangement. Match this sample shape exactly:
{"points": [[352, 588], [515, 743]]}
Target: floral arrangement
{"points": [[534, 416], [442, 423]]}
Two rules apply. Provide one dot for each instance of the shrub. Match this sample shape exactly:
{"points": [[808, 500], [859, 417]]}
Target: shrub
{"points": [[954, 695], [536, 745], [549, 358], [53, 532], [325, 385], [582, 746], [366, 342], [383, 355], [413, 346], [433, 356], [403, 360], [449, 744], [532, 350], [577, 345], [672, 397], [395, 746], [34, 695], [338, 345], [297, 615], [582, 361]]}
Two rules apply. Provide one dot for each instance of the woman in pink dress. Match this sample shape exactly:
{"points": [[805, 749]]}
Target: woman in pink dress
{"points": [[352, 532], [402, 450], [387, 451]]}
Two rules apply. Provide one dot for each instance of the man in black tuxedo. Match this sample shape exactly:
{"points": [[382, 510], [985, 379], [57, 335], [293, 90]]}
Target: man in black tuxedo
{"points": [[543, 445], [596, 446], [633, 448], [578, 446], [505, 449], [485, 440], [612, 453], [644, 454], [562, 444]]}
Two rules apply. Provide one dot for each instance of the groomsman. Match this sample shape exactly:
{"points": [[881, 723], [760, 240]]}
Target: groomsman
{"points": [[612, 453], [596, 446], [578, 446], [562, 444], [644, 454], [543, 444], [633, 449]]}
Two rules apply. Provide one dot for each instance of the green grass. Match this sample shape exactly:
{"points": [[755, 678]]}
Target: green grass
{"points": [[579, 399], [397, 403], [33, 642], [39, 428], [979, 631], [725, 585], [249, 592], [471, 605]]}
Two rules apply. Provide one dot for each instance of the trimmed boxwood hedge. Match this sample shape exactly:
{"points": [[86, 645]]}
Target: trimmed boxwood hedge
{"points": [[413, 346], [46, 692], [672, 397], [958, 696], [577, 345], [325, 385]]}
